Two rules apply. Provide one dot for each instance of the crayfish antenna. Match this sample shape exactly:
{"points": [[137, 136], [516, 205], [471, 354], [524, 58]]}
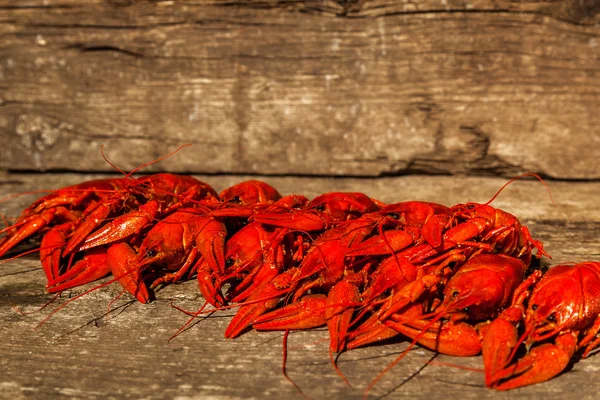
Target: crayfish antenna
{"points": [[532, 174], [128, 175], [183, 310], [389, 246], [112, 280], [189, 321], [39, 325], [412, 344], [336, 367], [157, 160], [195, 314], [5, 220], [117, 297], [26, 253], [284, 360], [119, 170], [457, 366], [14, 196], [46, 304]]}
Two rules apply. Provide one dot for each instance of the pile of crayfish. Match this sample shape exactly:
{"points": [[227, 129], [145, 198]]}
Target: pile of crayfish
{"points": [[453, 279]]}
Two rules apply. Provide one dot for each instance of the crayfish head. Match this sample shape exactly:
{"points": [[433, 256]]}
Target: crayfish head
{"points": [[250, 192], [246, 247], [158, 248], [414, 213], [484, 285], [168, 188], [478, 295], [474, 210], [550, 310], [341, 206]]}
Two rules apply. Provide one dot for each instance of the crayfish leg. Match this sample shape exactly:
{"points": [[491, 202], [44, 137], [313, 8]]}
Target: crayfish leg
{"points": [[173, 277]]}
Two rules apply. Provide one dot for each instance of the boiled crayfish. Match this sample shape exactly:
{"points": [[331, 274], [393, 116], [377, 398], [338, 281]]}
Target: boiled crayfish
{"points": [[453, 279], [561, 317], [81, 223]]}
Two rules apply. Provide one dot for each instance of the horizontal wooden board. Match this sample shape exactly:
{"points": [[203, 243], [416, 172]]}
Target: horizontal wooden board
{"points": [[84, 353], [361, 88]]}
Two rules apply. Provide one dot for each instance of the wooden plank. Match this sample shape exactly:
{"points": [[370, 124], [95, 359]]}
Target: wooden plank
{"points": [[83, 353], [360, 88]]}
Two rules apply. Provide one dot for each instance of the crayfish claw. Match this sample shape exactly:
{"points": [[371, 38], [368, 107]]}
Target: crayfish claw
{"points": [[122, 262]]}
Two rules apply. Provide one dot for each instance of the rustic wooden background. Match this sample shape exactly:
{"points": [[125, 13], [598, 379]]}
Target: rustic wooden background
{"points": [[427, 100], [365, 88]]}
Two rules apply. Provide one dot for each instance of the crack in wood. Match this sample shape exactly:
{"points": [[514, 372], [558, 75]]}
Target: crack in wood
{"points": [[83, 48], [40, 6], [103, 26]]}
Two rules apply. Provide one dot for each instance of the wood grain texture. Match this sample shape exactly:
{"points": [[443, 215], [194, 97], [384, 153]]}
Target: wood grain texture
{"points": [[83, 353], [361, 88]]}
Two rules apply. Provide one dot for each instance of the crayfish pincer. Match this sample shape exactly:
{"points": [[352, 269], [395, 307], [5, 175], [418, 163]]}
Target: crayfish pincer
{"points": [[562, 317]]}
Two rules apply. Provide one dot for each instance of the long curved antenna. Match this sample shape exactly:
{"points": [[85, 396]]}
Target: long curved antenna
{"points": [[12, 196], [110, 162], [336, 367], [157, 160], [456, 366], [127, 175], [193, 316], [403, 354], [283, 362], [539, 178], [112, 280]]}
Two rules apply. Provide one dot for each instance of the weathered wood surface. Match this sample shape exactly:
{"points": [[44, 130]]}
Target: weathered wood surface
{"points": [[83, 353], [303, 87]]}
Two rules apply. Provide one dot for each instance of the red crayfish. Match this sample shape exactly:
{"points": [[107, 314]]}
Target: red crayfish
{"points": [[452, 279], [561, 317]]}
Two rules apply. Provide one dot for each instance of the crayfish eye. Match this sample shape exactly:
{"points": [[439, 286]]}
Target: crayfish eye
{"points": [[151, 253], [320, 207], [552, 318], [235, 200], [534, 307], [394, 215], [455, 294], [470, 207], [229, 262], [466, 309]]}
